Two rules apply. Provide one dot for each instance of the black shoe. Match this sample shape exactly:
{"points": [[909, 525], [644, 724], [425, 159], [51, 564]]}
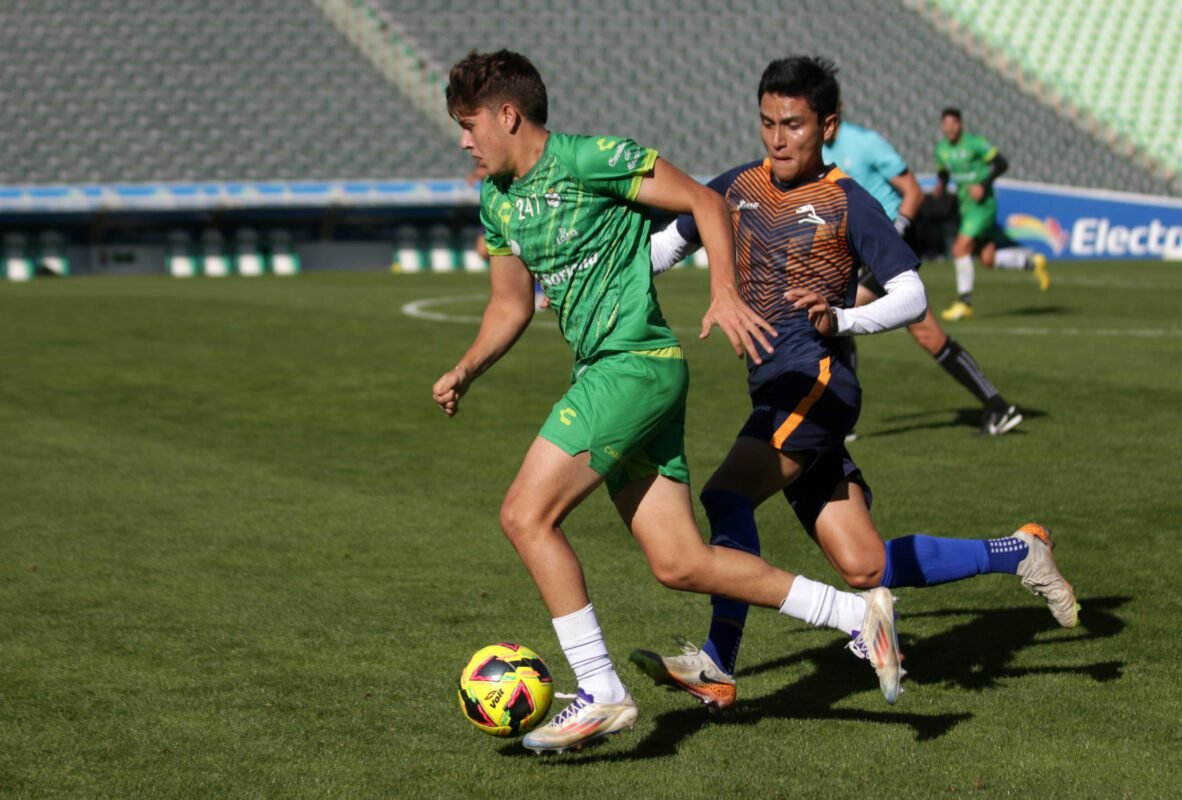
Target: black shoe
{"points": [[1000, 420]]}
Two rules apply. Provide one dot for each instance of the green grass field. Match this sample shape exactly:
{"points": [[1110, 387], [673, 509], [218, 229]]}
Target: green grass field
{"points": [[242, 554]]}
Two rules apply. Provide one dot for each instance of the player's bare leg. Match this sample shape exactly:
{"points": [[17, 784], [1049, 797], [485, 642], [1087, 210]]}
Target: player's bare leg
{"points": [[548, 486], [659, 513], [989, 255], [928, 334], [681, 560], [847, 536]]}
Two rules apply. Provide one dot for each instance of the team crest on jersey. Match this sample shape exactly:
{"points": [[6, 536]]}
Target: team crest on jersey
{"points": [[553, 199], [605, 144], [811, 215], [505, 212]]}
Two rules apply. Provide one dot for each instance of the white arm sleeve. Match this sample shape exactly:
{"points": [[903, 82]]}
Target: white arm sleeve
{"points": [[669, 248], [904, 303]]}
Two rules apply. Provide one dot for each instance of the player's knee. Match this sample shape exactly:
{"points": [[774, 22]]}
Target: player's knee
{"points": [[517, 521], [862, 573], [676, 572]]}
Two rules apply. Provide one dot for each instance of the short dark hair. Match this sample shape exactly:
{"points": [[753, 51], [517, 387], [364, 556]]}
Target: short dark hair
{"points": [[485, 80], [811, 77], [950, 112]]}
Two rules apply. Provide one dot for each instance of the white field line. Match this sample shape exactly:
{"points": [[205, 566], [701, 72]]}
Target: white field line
{"points": [[422, 309]]}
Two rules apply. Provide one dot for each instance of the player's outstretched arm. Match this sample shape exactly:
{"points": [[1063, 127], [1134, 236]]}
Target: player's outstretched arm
{"points": [[509, 310], [905, 302], [671, 189], [911, 197]]}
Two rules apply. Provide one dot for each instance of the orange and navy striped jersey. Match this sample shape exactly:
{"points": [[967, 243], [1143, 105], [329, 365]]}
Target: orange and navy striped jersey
{"points": [[812, 234]]}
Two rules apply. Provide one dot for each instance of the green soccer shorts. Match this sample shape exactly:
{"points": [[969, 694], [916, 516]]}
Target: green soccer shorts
{"points": [[978, 221], [628, 411]]}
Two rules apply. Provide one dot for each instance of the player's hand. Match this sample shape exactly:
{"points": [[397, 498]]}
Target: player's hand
{"points": [[817, 307], [450, 388], [977, 192], [742, 326]]}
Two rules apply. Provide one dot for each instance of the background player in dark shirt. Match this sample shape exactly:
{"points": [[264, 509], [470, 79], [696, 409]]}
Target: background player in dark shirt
{"points": [[802, 230]]}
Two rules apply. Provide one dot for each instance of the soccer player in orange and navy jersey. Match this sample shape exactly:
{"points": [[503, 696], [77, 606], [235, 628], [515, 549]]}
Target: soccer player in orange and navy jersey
{"points": [[802, 231]]}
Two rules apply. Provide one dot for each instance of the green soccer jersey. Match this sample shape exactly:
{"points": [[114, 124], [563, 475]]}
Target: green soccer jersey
{"points": [[573, 221], [967, 161]]}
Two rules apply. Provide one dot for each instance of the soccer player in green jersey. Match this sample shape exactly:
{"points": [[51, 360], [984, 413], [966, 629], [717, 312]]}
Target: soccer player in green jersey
{"points": [[975, 164], [568, 211]]}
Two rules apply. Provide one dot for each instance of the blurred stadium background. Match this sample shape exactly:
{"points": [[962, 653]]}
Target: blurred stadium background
{"points": [[219, 137]]}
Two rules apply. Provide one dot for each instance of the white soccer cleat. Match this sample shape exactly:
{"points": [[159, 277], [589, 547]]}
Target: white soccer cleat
{"points": [[878, 642], [582, 721], [1040, 575], [693, 671], [999, 421]]}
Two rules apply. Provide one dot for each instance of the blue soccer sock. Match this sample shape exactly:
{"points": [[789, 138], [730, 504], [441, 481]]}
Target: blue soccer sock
{"points": [[1006, 554], [920, 560], [732, 524]]}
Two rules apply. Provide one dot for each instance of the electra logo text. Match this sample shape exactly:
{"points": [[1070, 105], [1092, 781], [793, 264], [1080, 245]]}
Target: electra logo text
{"points": [[565, 235], [564, 274], [1097, 236]]}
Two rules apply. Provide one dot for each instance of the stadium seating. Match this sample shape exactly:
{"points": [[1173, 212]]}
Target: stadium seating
{"points": [[682, 75], [138, 90], [1115, 63], [1119, 63]]}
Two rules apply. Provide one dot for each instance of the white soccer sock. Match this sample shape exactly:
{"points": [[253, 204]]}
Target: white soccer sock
{"points": [[964, 275], [820, 605], [1014, 258], [586, 652]]}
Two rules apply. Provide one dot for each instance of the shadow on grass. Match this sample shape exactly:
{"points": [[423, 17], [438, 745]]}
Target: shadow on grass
{"points": [[973, 655], [984, 645], [937, 420], [1029, 311]]}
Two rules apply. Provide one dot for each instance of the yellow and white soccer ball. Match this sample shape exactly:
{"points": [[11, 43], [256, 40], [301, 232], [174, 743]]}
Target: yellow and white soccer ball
{"points": [[505, 689]]}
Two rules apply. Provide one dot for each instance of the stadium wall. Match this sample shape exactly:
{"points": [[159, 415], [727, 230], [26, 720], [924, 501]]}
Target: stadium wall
{"points": [[282, 228]]}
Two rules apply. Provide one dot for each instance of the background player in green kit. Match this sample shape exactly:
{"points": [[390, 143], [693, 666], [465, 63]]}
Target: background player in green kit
{"points": [[867, 157], [566, 210], [974, 164]]}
